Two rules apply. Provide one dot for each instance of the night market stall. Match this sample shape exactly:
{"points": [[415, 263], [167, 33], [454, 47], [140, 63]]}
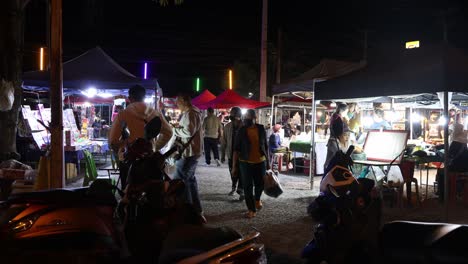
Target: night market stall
{"points": [[439, 71], [95, 87], [205, 97], [300, 91]]}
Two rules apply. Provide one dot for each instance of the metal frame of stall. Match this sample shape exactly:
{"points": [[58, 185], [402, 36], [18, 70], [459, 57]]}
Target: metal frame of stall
{"points": [[312, 122]]}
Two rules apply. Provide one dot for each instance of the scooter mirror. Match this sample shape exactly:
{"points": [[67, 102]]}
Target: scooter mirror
{"points": [[152, 128]]}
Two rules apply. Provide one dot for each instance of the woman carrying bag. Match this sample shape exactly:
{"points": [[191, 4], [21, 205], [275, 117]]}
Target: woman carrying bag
{"points": [[250, 151]]}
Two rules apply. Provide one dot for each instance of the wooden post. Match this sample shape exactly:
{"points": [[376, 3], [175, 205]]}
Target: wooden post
{"points": [[446, 151], [278, 58], [56, 91], [263, 57], [312, 139]]}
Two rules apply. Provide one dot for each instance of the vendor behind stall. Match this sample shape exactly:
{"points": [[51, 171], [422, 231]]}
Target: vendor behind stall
{"points": [[457, 156], [337, 124], [379, 121]]}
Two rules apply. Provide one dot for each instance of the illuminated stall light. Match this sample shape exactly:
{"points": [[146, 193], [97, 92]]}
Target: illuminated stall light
{"points": [[416, 118], [412, 44], [105, 95], [442, 121], [149, 100], [90, 92], [145, 71], [41, 59], [367, 121], [198, 84], [230, 79]]}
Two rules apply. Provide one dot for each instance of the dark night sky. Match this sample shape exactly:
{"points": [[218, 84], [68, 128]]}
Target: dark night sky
{"points": [[204, 37]]}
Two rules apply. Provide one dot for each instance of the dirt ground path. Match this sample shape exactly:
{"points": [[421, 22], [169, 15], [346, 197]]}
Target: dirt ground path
{"points": [[283, 222]]}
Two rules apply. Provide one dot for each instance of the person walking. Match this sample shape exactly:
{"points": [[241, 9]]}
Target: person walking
{"points": [[134, 118], [212, 128], [189, 129], [229, 135], [250, 151]]}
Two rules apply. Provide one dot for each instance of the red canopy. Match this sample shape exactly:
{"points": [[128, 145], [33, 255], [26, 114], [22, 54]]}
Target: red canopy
{"points": [[229, 99], [203, 98]]}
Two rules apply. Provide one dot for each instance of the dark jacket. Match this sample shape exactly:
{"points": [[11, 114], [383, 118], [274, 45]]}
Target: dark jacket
{"points": [[337, 126], [242, 144]]}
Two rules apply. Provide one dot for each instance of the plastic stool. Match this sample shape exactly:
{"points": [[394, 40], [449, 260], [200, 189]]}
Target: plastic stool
{"points": [[277, 160]]}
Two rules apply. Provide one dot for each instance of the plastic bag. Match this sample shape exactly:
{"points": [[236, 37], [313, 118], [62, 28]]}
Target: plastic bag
{"points": [[272, 186], [379, 174], [7, 95], [394, 175]]}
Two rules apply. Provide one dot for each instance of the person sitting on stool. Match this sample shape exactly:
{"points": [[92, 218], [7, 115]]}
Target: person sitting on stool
{"points": [[274, 143]]}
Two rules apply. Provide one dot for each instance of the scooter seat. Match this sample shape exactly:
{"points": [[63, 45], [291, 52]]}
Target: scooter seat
{"points": [[414, 242], [191, 240]]}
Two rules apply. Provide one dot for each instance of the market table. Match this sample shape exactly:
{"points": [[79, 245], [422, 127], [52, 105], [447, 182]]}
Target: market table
{"points": [[299, 146], [73, 154]]}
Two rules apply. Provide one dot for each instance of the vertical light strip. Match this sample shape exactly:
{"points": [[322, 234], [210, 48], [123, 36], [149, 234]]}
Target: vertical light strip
{"points": [[198, 84], [145, 73], [230, 79], [41, 59]]}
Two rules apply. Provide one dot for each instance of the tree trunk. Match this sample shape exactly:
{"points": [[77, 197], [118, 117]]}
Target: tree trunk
{"points": [[11, 54]]}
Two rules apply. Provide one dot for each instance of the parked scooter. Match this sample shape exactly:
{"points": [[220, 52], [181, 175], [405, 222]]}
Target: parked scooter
{"points": [[347, 216], [87, 225]]}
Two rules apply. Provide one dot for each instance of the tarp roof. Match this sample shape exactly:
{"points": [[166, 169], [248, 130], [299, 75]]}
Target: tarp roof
{"points": [[229, 98], [326, 69], [428, 69], [203, 98], [94, 68], [79, 99]]}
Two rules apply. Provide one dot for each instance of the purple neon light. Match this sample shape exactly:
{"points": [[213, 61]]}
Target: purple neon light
{"points": [[146, 71]]}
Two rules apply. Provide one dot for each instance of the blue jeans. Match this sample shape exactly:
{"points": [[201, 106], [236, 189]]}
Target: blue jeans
{"points": [[252, 176], [185, 170]]}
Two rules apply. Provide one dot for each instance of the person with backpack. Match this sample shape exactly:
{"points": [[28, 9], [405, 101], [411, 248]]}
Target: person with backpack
{"points": [[134, 119]]}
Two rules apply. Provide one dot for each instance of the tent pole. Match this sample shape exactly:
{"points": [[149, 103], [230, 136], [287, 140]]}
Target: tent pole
{"points": [[272, 117], [411, 122], [276, 111], [56, 93], [446, 151], [312, 140], [304, 112]]}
